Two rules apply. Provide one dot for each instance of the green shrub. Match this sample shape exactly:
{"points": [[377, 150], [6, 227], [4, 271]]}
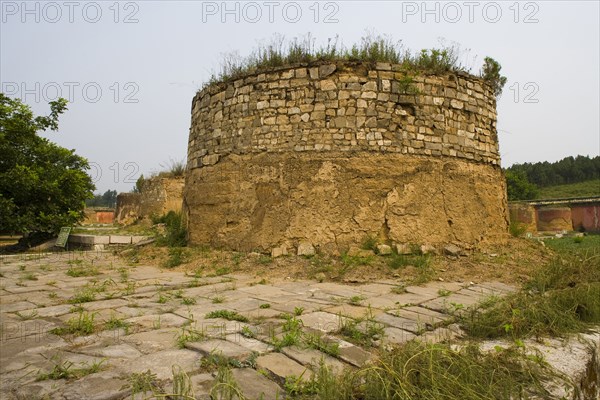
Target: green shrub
{"points": [[517, 229], [490, 72], [175, 230], [369, 243]]}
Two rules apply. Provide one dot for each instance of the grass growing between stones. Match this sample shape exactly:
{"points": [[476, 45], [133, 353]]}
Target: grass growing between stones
{"points": [[81, 325], [562, 297], [66, 370], [188, 334], [228, 315], [76, 271], [424, 371]]}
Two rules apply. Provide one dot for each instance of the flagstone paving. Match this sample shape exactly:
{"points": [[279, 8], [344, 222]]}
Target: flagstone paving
{"points": [[90, 337]]}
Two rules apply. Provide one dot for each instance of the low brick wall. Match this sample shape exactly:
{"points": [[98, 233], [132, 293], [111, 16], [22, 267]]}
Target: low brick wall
{"points": [[582, 215]]}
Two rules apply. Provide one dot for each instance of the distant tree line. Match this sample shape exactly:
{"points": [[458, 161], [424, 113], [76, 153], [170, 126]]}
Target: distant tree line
{"points": [[568, 170], [523, 180], [108, 199]]}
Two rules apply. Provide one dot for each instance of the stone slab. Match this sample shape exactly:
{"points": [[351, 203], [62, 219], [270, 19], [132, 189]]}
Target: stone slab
{"points": [[122, 350], [158, 321], [16, 307], [312, 358], [397, 336], [251, 344], [353, 354], [120, 239], [153, 341], [220, 347], [100, 386], [351, 311], [401, 323], [427, 317], [253, 385], [161, 363], [280, 367], [322, 321]]}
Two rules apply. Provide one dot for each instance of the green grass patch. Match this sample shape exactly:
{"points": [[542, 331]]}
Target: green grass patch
{"points": [[115, 322], [228, 315], [76, 271], [586, 246], [396, 261], [81, 325]]}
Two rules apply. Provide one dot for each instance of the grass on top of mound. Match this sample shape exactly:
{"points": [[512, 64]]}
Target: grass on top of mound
{"points": [[371, 49]]}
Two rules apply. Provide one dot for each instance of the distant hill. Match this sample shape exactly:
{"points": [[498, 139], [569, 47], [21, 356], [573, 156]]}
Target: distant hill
{"points": [[570, 177], [580, 189]]}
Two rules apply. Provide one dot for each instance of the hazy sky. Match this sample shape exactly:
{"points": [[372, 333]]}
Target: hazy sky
{"points": [[131, 69]]}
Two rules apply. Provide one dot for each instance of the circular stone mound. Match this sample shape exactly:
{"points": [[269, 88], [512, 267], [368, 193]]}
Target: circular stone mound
{"points": [[330, 154]]}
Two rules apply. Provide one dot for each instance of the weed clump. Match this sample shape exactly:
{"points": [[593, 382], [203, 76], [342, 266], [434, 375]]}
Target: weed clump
{"points": [[175, 231]]}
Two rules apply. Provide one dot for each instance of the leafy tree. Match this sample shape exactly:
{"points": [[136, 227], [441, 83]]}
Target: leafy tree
{"points": [[490, 72], [518, 187], [139, 184], [42, 186], [108, 199]]}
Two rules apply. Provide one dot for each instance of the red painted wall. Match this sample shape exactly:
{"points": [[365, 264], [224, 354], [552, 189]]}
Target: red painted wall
{"points": [[105, 217], [586, 217]]}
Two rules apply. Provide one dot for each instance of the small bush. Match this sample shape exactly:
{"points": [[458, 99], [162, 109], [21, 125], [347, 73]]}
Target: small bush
{"points": [[175, 230], [369, 243], [490, 72], [173, 168], [517, 229]]}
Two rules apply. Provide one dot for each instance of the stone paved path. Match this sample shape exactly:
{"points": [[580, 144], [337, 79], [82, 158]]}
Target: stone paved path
{"points": [[142, 318]]}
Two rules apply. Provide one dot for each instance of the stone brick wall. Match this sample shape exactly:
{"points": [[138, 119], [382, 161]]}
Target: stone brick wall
{"points": [[345, 107], [332, 153]]}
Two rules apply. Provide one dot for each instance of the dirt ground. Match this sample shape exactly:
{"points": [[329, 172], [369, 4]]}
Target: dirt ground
{"points": [[512, 262]]}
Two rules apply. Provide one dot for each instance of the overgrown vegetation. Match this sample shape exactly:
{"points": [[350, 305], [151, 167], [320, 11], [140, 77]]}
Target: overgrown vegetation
{"points": [[424, 371], [175, 230], [371, 49], [562, 297], [172, 168]]}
